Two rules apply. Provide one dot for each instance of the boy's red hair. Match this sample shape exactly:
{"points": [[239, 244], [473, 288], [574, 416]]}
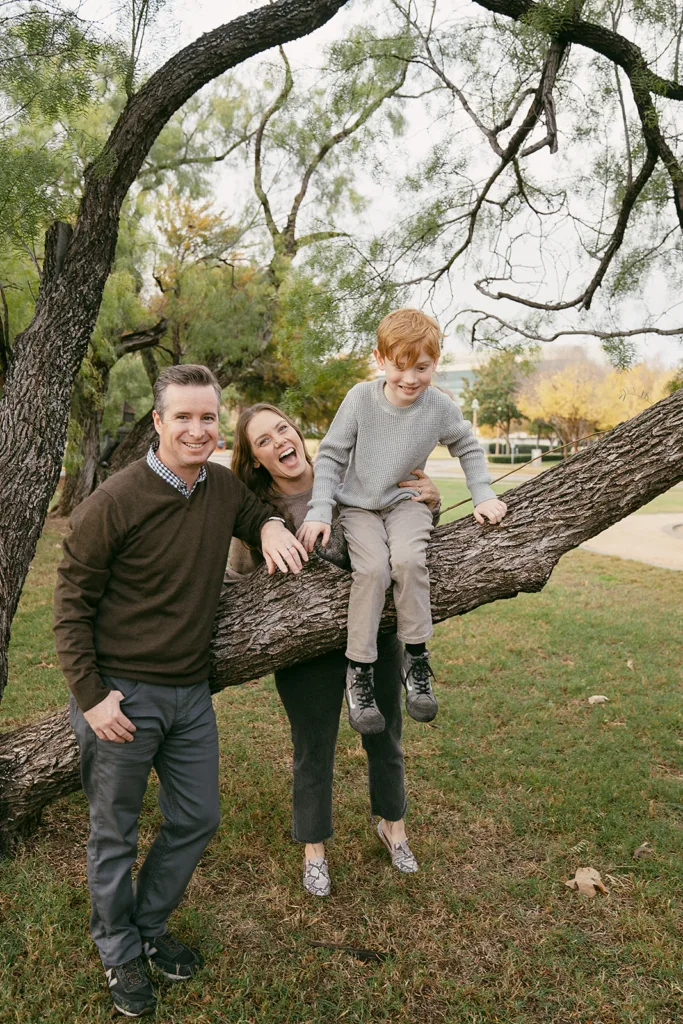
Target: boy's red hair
{"points": [[405, 334]]}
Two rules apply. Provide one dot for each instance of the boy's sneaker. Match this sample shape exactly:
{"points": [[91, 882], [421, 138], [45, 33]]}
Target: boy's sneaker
{"points": [[130, 988], [364, 715], [174, 959], [420, 700]]}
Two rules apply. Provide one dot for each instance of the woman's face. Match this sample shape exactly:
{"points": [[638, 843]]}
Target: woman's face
{"points": [[277, 447]]}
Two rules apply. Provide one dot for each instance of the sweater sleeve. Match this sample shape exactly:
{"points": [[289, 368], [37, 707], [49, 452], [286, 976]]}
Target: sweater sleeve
{"points": [[463, 445], [332, 461], [97, 533]]}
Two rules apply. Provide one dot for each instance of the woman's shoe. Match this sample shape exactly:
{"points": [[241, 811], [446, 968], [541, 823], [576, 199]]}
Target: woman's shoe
{"points": [[317, 876], [402, 857]]}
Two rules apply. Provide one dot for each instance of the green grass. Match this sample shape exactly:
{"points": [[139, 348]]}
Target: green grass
{"points": [[516, 784]]}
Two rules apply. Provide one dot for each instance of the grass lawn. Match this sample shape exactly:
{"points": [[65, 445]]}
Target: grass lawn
{"points": [[517, 784]]}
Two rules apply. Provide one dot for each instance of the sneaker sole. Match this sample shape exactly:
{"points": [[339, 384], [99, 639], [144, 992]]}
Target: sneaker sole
{"points": [[130, 1013], [173, 977], [374, 731]]}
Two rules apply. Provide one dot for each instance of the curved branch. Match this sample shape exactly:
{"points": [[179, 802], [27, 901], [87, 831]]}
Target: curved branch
{"points": [[258, 145], [329, 144], [482, 316], [585, 299], [572, 29], [136, 341]]}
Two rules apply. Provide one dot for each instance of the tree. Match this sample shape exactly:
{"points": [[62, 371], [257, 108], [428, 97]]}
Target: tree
{"points": [[469, 566], [46, 355], [496, 385]]}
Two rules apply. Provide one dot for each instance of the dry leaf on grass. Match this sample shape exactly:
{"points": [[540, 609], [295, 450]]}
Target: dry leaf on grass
{"points": [[629, 664], [644, 850], [598, 699], [587, 881]]}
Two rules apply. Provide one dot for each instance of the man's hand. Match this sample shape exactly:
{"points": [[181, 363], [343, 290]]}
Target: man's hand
{"points": [[108, 721], [492, 509], [309, 532], [427, 491], [281, 548]]}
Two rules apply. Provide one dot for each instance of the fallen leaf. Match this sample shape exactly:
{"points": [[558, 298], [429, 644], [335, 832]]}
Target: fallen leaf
{"points": [[598, 699], [629, 664], [644, 850], [587, 881]]}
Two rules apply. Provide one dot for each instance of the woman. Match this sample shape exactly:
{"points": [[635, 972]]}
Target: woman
{"points": [[269, 455]]}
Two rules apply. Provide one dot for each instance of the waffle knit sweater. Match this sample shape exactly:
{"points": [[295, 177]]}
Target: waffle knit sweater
{"points": [[372, 445]]}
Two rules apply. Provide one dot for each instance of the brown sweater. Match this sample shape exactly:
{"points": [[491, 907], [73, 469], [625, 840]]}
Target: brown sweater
{"points": [[139, 583]]}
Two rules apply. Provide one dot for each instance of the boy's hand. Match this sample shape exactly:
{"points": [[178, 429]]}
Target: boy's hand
{"points": [[428, 492], [492, 509], [309, 532], [281, 548]]}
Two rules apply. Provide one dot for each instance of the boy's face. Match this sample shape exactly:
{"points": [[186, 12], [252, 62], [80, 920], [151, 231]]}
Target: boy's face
{"points": [[404, 386]]}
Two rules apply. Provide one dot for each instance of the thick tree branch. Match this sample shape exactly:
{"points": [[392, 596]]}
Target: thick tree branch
{"points": [[138, 340], [469, 566]]}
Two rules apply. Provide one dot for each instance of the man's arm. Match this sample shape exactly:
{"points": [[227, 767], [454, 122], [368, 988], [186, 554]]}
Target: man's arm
{"points": [[96, 534], [258, 525]]}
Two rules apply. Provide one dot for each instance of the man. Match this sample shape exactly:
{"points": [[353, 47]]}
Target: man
{"points": [[135, 601]]}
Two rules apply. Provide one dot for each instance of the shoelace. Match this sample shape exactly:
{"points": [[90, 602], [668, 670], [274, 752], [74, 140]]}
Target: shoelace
{"points": [[421, 670], [131, 973], [363, 685]]}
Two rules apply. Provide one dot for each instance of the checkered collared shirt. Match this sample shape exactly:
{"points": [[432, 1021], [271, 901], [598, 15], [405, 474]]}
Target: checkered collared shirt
{"points": [[169, 476]]}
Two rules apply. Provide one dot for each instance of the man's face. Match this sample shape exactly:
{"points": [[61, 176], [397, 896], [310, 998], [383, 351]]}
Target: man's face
{"points": [[404, 386], [188, 432]]}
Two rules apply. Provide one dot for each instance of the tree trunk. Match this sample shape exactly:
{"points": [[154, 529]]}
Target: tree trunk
{"points": [[46, 356], [469, 566]]}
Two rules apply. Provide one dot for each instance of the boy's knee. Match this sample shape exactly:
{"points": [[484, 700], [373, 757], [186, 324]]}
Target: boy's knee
{"points": [[373, 573], [405, 562]]}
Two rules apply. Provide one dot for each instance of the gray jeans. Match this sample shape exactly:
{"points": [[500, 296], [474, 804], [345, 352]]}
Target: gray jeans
{"points": [[176, 734], [389, 544]]}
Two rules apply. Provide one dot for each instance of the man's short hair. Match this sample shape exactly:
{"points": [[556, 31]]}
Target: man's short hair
{"points": [[189, 375], [404, 334]]}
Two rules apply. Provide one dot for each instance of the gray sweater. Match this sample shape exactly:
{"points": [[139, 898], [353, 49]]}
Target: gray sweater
{"points": [[372, 445]]}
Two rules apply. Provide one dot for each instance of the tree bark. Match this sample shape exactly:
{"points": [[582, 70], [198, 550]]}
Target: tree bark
{"points": [[469, 566], [46, 356]]}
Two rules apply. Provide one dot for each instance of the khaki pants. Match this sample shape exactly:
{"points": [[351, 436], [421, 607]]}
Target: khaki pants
{"points": [[389, 544]]}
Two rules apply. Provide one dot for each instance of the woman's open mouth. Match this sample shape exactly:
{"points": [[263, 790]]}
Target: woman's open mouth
{"points": [[289, 457]]}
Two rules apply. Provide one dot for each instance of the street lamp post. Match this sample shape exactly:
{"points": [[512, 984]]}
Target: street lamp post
{"points": [[475, 410]]}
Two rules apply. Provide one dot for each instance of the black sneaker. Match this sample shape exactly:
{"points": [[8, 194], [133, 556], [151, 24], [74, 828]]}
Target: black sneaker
{"points": [[364, 715], [130, 988], [420, 700], [174, 959]]}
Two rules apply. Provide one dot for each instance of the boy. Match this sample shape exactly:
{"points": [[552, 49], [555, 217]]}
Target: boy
{"points": [[383, 429]]}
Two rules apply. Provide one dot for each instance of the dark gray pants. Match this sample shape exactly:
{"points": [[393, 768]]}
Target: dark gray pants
{"points": [[312, 694], [177, 735]]}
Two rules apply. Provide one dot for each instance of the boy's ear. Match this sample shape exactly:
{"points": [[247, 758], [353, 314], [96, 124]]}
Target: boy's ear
{"points": [[378, 359]]}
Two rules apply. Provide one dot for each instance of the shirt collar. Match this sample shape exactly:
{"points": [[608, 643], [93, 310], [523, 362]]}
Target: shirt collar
{"points": [[158, 467]]}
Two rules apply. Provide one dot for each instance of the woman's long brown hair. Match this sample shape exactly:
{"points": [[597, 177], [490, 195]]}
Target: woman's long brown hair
{"points": [[257, 478]]}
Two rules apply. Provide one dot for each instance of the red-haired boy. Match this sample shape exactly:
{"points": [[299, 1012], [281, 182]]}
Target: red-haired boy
{"points": [[383, 430]]}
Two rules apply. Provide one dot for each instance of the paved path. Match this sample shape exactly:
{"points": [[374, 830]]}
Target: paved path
{"points": [[655, 538]]}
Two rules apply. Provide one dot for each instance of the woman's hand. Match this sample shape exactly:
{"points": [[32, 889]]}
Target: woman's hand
{"points": [[428, 492], [281, 549], [309, 532]]}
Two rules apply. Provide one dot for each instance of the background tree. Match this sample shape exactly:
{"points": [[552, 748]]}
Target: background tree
{"points": [[496, 385]]}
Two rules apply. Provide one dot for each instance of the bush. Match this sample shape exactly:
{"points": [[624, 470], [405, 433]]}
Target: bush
{"points": [[519, 459]]}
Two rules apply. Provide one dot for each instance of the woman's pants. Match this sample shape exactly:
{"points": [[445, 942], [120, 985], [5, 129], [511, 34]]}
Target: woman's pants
{"points": [[312, 694]]}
